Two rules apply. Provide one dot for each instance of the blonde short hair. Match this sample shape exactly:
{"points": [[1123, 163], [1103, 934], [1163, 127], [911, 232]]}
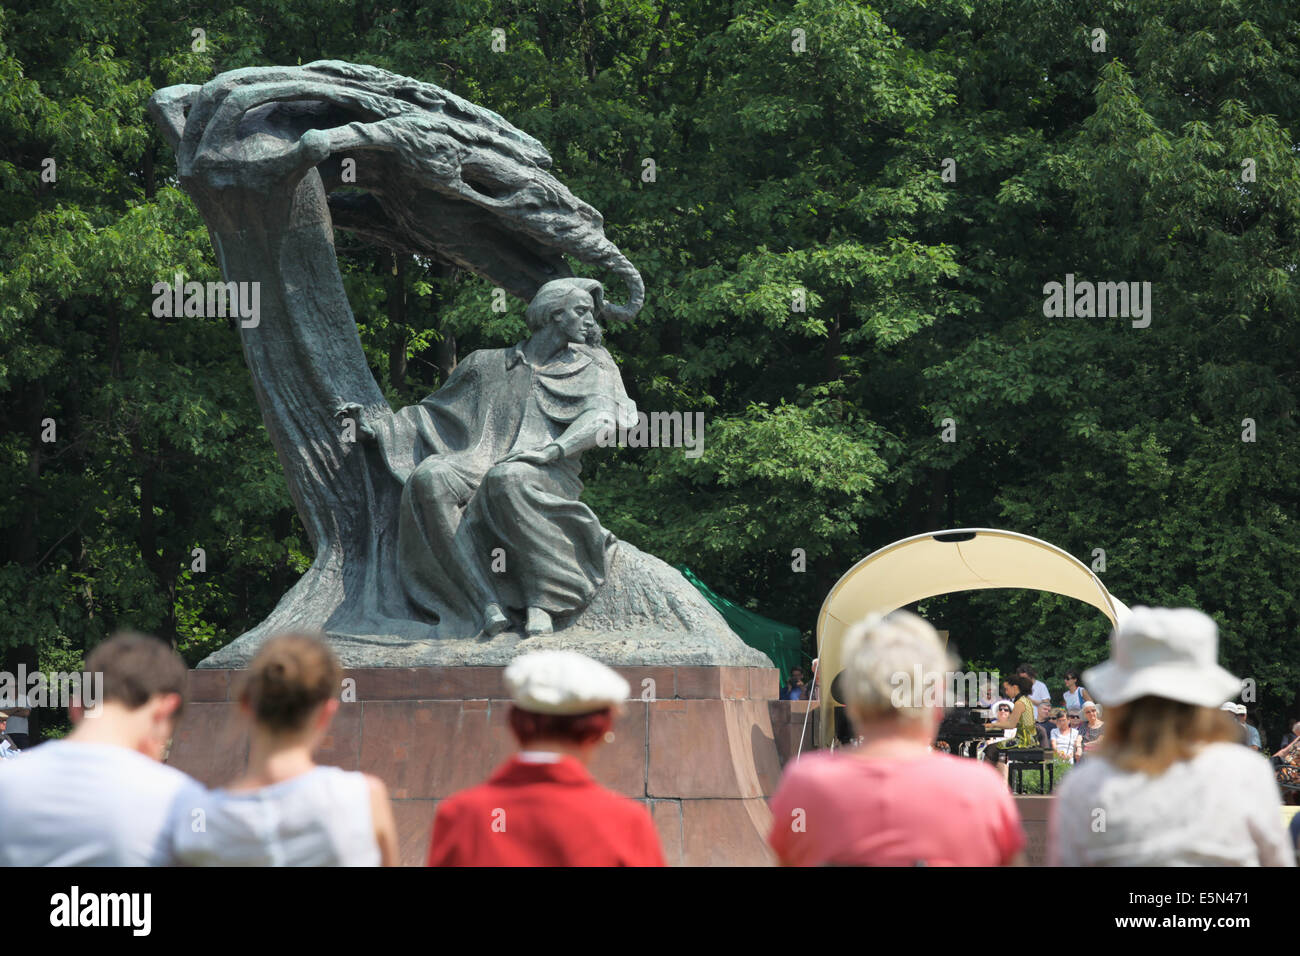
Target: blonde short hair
{"points": [[877, 654]]}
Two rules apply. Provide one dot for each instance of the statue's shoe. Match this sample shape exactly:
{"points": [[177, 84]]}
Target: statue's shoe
{"points": [[539, 622], [494, 620]]}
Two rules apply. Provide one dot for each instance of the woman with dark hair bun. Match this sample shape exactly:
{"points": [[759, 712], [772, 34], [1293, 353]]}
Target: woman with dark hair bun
{"points": [[1021, 720], [285, 810]]}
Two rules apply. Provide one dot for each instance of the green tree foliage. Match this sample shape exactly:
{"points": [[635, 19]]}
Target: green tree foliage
{"points": [[822, 284]]}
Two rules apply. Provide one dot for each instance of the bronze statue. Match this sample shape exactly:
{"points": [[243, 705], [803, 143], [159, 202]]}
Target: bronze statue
{"points": [[484, 519]]}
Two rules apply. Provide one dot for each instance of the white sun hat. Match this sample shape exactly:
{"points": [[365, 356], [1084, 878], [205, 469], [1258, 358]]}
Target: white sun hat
{"points": [[1163, 652], [563, 683]]}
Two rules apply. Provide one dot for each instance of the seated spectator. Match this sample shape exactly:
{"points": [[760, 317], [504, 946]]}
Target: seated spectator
{"points": [[1067, 742], [1093, 726], [1001, 712], [100, 796], [1252, 732], [8, 749], [1286, 764], [1075, 696], [1252, 721], [1169, 784], [1292, 734], [1248, 735], [892, 801], [541, 807], [1038, 692], [988, 692], [1046, 724], [285, 810], [1230, 709], [794, 690], [18, 711]]}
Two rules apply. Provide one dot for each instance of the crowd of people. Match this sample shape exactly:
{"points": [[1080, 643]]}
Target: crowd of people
{"points": [[1075, 728], [1170, 776], [1028, 720], [1069, 731], [103, 796]]}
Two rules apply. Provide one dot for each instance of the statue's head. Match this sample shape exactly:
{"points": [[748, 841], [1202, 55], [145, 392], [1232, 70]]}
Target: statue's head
{"points": [[573, 304]]}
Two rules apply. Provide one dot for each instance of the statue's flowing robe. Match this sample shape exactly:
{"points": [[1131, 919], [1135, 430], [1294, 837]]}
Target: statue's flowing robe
{"points": [[474, 531]]}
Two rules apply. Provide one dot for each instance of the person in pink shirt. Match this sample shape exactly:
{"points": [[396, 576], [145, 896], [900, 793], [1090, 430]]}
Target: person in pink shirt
{"points": [[892, 800]]}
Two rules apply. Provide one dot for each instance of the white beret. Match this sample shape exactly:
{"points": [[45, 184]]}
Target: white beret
{"points": [[564, 683]]}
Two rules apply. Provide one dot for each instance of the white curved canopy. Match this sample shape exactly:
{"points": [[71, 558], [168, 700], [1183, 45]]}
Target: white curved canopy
{"points": [[943, 562]]}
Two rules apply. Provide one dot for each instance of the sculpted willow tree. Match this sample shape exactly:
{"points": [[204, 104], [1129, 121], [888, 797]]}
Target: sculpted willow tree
{"points": [[448, 522]]}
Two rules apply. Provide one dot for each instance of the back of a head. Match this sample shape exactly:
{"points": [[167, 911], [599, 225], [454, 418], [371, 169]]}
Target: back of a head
{"points": [[136, 668], [1150, 734], [562, 696], [288, 679], [882, 657]]}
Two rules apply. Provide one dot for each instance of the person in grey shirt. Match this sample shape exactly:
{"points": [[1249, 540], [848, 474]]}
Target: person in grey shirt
{"points": [[101, 796]]}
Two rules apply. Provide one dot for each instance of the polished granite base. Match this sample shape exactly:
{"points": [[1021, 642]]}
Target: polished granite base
{"points": [[696, 746]]}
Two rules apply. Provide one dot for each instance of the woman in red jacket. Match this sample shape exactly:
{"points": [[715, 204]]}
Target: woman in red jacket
{"points": [[542, 807]]}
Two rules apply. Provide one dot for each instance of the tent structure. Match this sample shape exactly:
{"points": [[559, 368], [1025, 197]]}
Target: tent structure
{"points": [[927, 565], [780, 642]]}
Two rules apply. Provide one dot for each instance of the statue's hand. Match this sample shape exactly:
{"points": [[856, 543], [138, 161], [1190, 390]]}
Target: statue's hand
{"points": [[353, 411], [536, 456]]}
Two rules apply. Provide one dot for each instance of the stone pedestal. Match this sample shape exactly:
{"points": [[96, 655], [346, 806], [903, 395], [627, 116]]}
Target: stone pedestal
{"points": [[795, 728], [697, 748], [1034, 814]]}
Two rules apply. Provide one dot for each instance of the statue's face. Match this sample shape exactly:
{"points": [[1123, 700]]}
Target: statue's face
{"points": [[578, 319]]}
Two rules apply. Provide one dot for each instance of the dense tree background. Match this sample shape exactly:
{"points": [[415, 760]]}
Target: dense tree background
{"points": [[777, 171]]}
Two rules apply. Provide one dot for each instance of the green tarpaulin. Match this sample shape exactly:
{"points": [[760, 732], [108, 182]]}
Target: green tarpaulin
{"points": [[780, 642]]}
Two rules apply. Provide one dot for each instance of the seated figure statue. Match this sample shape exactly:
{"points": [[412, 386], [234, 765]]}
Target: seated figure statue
{"points": [[490, 518]]}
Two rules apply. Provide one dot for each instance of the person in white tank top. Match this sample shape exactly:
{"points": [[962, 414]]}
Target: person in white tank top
{"points": [[1075, 696], [285, 810], [319, 818]]}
